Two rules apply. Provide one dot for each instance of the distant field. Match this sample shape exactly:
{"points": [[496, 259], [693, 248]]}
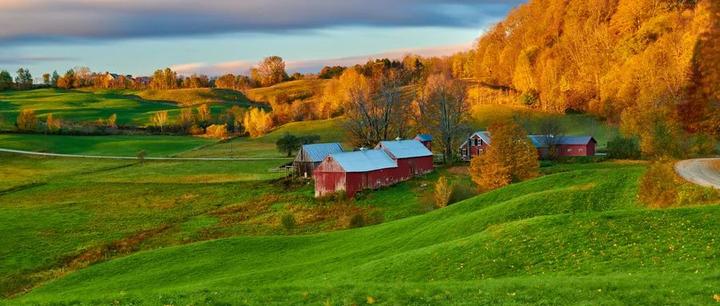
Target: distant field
{"points": [[301, 89], [131, 107], [330, 130], [576, 236], [157, 146]]}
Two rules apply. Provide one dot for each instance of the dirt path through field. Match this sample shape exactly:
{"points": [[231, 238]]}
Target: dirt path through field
{"points": [[135, 158], [700, 171]]}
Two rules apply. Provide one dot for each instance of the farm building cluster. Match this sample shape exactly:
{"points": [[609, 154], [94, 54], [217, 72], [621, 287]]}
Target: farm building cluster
{"points": [[390, 162], [564, 146]]}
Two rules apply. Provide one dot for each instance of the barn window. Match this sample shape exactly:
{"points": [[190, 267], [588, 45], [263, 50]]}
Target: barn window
{"points": [[476, 141]]}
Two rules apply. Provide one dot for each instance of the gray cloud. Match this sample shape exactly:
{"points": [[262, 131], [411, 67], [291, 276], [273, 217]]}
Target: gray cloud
{"points": [[20, 60], [27, 20]]}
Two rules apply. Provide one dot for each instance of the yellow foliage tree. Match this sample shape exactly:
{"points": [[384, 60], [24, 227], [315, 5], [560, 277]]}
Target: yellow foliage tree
{"points": [[160, 119], [443, 192], [257, 122], [510, 158], [26, 120], [217, 131], [53, 125]]}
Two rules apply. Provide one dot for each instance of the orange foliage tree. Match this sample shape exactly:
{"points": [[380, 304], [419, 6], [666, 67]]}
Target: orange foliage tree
{"points": [[510, 158]]}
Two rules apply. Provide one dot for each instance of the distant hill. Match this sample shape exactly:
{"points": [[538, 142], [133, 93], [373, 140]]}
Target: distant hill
{"points": [[293, 90], [195, 96]]}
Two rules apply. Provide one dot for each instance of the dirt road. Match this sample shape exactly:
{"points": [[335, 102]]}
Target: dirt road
{"points": [[699, 171]]}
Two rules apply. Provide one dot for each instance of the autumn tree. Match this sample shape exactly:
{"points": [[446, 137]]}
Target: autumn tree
{"points": [[510, 158], [26, 120], [271, 71], [441, 107], [185, 119], [52, 124], [257, 122], [204, 116], [46, 79], [375, 111], [217, 131], [23, 79], [6, 81], [67, 81], [112, 121], [164, 79], [160, 119], [443, 192]]}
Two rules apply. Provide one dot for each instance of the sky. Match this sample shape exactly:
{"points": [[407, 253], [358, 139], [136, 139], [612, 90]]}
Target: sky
{"points": [[229, 36]]}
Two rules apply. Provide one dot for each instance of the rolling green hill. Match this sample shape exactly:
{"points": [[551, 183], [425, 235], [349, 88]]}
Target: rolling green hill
{"points": [[573, 237], [131, 107], [300, 89], [116, 145], [330, 130]]}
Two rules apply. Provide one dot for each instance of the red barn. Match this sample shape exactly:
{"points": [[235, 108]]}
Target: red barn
{"points": [[412, 157], [352, 172], [567, 146]]}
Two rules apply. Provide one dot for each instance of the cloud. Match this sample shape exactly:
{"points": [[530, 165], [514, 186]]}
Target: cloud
{"points": [[22, 20], [314, 65], [21, 60]]}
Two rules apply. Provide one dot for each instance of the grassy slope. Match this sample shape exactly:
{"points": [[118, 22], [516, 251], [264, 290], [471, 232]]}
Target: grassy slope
{"points": [[102, 145], [329, 131], [196, 96], [131, 107], [570, 237], [301, 89], [60, 214]]}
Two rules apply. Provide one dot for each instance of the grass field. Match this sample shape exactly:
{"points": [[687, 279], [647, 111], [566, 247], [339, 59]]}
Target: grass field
{"points": [[329, 131], [131, 107], [68, 213], [300, 89], [576, 236], [155, 146]]}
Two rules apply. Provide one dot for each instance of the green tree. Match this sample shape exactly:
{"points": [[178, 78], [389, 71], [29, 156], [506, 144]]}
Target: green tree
{"points": [[54, 79], [23, 80], [6, 81], [288, 144]]}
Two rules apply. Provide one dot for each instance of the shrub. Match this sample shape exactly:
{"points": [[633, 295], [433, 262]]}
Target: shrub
{"points": [[443, 192], [288, 221], [659, 185], [529, 98], [357, 220], [690, 194], [623, 148], [217, 131]]}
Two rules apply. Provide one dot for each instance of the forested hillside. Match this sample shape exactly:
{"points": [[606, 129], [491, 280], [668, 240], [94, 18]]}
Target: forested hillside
{"points": [[650, 65]]}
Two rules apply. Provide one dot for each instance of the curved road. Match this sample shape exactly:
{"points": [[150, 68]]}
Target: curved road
{"points": [[699, 171], [135, 158]]}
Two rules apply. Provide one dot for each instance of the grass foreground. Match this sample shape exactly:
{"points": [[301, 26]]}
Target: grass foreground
{"points": [[574, 236]]}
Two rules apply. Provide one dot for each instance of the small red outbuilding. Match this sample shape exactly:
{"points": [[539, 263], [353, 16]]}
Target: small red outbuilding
{"points": [[412, 157]]}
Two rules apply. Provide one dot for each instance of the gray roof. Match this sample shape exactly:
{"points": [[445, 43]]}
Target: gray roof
{"points": [[364, 161], [318, 151], [484, 135], [539, 140], [405, 148], [423, 137]]}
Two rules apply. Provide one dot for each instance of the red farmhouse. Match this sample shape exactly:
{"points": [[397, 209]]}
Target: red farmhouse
{"points": [[566, 146], [392, 162]]}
